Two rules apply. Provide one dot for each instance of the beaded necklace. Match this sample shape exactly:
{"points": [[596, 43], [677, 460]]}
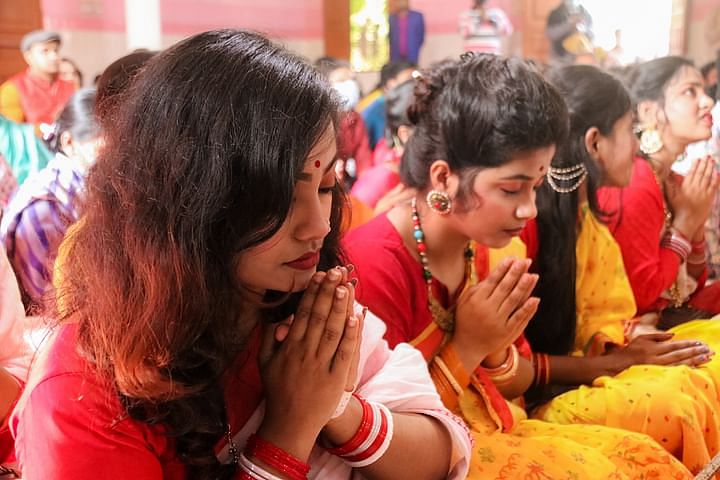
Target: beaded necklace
{"points": [[444, 318]]}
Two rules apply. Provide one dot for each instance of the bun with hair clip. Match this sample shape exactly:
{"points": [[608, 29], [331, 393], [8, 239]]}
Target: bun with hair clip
{"points": [[49, 131], [428, 86], [50, 134]]}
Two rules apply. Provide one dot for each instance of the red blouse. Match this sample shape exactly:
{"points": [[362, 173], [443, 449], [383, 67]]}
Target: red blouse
{"points": [[637, 219], [74, 426]]}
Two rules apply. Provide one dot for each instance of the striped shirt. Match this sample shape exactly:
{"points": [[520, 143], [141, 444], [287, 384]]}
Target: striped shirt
{"points": [[35, 222], [484, 35]]}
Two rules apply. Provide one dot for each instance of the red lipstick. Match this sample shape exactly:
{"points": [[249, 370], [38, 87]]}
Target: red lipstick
{"points": [[306, 262], [708, 119]]}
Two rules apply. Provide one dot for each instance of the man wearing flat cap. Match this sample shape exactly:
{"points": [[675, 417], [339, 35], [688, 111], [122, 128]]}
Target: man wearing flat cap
{"points": [[36, 95]]}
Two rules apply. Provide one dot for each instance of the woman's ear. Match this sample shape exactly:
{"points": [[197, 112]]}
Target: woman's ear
{"points": [[66, 143], [647, 113], [592, 139], [403, 133], [442, 178]]}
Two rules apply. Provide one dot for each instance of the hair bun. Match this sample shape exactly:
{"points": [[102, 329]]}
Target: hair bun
{"points": [[427, 86]]}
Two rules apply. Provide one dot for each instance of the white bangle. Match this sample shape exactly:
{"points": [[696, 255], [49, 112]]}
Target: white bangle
{"points": [[384, 411], [377, 423], [255, 470]]}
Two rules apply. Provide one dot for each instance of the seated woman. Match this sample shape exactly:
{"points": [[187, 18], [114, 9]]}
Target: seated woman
{"points": [[658, 219], [485, 131], [193, 243], [35, 221], [587, 307]]}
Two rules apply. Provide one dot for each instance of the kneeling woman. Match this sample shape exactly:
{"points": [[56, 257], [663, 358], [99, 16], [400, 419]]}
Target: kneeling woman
{"points": [[209, 211], [587, 307], [485, 132]]}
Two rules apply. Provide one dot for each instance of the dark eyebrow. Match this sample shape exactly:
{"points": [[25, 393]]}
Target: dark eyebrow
{"points": [[306, 177], [693, 84], [519, 176]]}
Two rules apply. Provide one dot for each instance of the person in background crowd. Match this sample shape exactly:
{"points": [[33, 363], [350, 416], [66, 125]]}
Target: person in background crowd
{"points": [[115, 79], [483, 30], [709, 72], [353, 149], [37, 217], [24, 152], [70, 72], [208, 330], [377, 182], [391, 74], [569, 29], [407, 33], [37, 94]]}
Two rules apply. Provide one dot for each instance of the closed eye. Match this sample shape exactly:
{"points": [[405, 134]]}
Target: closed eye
{"points": [[327, 190]]}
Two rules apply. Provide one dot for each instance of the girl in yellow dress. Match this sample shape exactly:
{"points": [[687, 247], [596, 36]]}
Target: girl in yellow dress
{"points": [[633, 376]]}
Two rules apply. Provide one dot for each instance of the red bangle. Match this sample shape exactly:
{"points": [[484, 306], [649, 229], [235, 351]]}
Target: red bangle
{"points": [[376, 443], [698, 247], [276, 458], [362, 432], [541, 366]]}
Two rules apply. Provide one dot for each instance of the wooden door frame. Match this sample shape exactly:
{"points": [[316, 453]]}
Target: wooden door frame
{"points": [[16, 19], [336, 28]]}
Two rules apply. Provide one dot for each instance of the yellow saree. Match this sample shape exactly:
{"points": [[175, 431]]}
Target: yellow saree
{"points": [[677, 406], [510, 446]]}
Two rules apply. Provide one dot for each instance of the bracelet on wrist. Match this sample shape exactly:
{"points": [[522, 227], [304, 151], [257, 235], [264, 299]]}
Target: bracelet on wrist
{"points": [[699, 246], [541, 368], [677, 242], [371, 440], [508, 369], [696, 262], [272, 456]]}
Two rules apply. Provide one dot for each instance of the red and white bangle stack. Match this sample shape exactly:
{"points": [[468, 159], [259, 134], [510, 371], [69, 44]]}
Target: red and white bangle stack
{"points": [[372, 438], [697, 254], [677, 242], [272, 456]]}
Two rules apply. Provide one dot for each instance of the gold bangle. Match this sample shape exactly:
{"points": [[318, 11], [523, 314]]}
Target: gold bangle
{"points": [[448, 375], [453, 363], [508, 370]]}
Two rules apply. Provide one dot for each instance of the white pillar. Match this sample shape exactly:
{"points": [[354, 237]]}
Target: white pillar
{"points": [[142, 24]]}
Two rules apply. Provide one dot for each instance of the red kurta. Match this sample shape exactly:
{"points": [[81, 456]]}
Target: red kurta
{"points": [[79, 408], [637, 220], [41, 101]]}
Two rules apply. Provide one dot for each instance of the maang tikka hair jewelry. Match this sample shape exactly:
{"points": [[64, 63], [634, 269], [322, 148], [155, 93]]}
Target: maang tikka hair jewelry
{"points": [[439, 202], [578, 173]]}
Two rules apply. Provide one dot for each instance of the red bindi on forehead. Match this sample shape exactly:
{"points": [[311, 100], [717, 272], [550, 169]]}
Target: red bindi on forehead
{"points": [[542, 168], [317, 164]]}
